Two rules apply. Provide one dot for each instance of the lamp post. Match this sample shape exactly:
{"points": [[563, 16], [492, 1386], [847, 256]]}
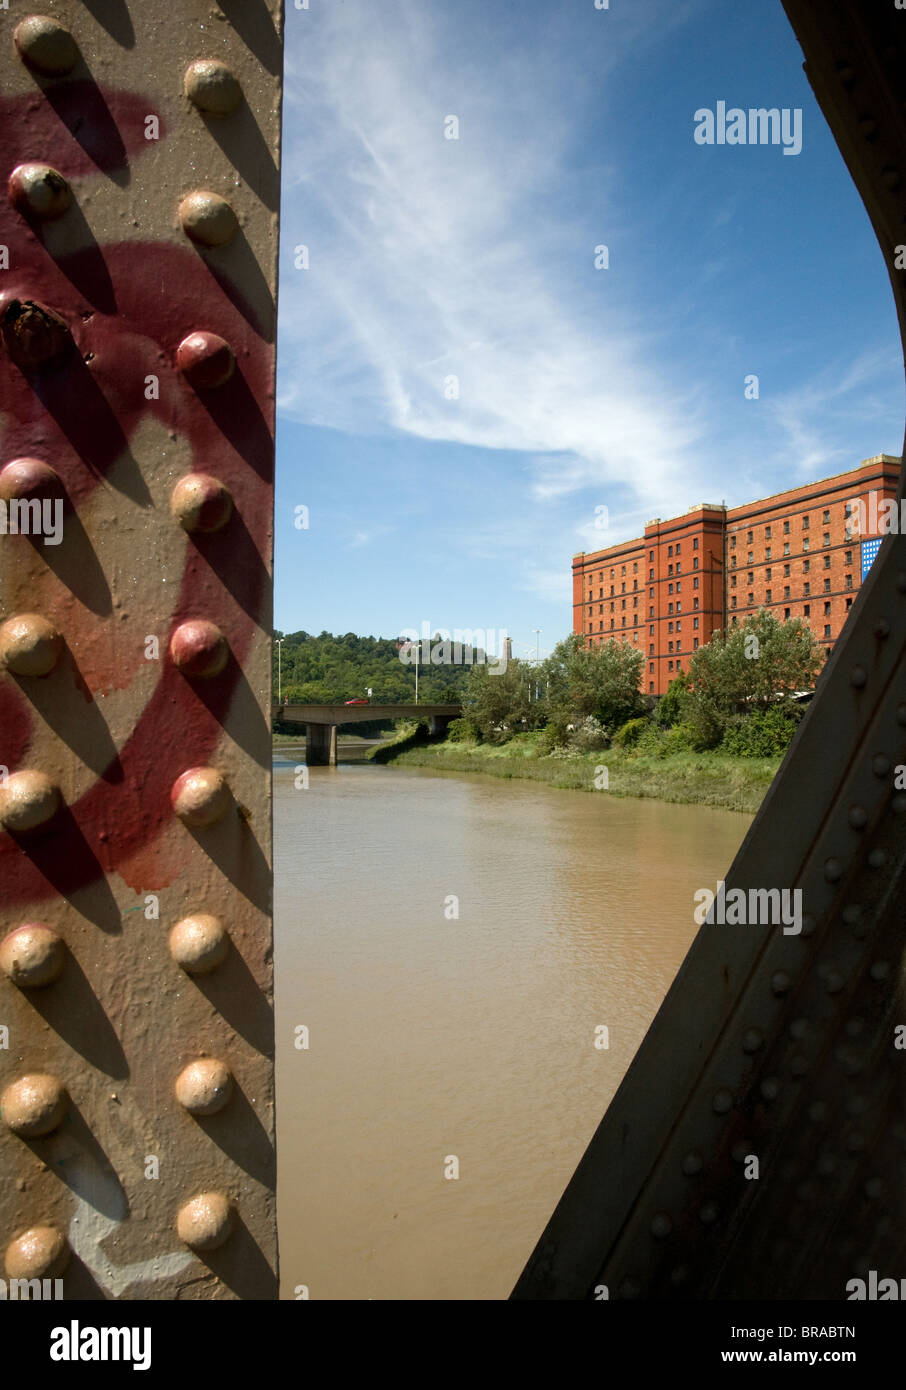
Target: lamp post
{"points": [[537, 632], [279, 641]]}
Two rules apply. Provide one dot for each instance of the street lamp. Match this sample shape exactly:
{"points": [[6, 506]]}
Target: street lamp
{"points": [[537, 632], [279, 641]]}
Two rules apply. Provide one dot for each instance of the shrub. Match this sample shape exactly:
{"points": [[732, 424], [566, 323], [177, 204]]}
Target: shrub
{"points": [[460, 731], [590, 735], [761, 734], [628, 735]]}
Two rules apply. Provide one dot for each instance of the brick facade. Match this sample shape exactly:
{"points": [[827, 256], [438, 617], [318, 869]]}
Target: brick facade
{"points": [[796, 554]]}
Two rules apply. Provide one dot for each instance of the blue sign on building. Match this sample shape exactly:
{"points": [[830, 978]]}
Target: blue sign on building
{"points": [[869, 551]]}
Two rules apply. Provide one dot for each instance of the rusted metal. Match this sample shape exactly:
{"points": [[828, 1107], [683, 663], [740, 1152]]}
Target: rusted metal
{"points": [[139, 237], [771, 1045]]}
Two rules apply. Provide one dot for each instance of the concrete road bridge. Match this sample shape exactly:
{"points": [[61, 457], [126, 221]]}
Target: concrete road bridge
{"points": [[322, 721]]}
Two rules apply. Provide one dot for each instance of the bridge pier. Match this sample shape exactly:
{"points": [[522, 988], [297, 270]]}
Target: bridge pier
{"points": [[321, 745], [438, 724]]}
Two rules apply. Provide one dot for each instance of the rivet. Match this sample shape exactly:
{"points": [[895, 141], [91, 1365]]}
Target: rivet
{"points": [[799, 1065], [752, 1040], [661, 1226], [852, 914], [205, 360], [199, 649], [877, 858], [33, 335], [33, 955], [41, 1252], [29, 478], [854, 1027], [770, 1088], [722, 1101], [709, 1213], [205, 1222], [808, 924], [874, 1187], [880, 765], [208, 219], [212, 87], [201, 503], [39, 190], [858, 817], [856, 1105], [799, 1028], [901, 715], [679, 1275], [882, 628], [45, 45], [28, 800], [807, 1191], [204, 1087], [834, 982], [833, 870], [200, 797], [817, 1111], [891, 178], [629, 1289], [868, 127], [858, 677], [780, 982], [880, 970], [856, 1142], [845, 72], [693, 1163], [827, 1164], [199, 943], [29, 645], [898, 804], [741, 1150], [34, 1105]]}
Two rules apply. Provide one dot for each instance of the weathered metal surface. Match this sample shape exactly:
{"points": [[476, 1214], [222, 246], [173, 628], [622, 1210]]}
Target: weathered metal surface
{"points": [[139, 227], [771, 1044]]}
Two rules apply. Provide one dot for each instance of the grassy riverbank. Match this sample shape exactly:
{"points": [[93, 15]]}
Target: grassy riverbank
{"points": [[703, 779]]}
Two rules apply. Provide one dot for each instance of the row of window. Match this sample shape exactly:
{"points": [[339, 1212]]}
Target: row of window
{"points": [[805, 520], [806, 592], [806, 567]]}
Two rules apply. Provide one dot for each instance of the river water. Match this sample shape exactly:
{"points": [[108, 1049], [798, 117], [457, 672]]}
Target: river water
{"points": [[434, 1037]]}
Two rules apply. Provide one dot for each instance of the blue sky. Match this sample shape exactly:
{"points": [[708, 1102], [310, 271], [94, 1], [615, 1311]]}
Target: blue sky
{"points": [[579, 388]]}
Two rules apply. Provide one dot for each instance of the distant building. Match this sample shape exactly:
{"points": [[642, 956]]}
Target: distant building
{"points": [[799, 554]]}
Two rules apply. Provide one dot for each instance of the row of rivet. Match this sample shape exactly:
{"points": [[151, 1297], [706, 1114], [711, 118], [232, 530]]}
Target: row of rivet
{"points": [[34, 955]]}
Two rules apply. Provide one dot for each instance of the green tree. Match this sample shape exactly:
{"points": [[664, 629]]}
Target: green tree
{"points": [[603, 681], [499, 703]]}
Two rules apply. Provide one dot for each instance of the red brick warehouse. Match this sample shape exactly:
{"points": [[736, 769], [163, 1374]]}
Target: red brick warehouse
{"points": [[798, 554]]}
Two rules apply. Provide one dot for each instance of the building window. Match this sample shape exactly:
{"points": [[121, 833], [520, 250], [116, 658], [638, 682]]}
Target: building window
{"points": [[732, 562], [695, 624], [695, 581], [786, 528], [635, 601], [669, 551], [827, 538], [826, 518], [651, 685], [786, 547], [611, 624], [635, 623], [751, 600], [695, 542], [767, 533], [695, 562], [749, 536], [651, 629], [807, 610], [695, 644], [806, 566], [849, 581], [670, 646], [623, 621], [786, 591], [635, 567], [623, 570], [732, 581], [750, 558], [805, 543], [669, 665], [678, 544], [848, 558], [827, 610], [651, 612], [751, 576], [669, 588], [767, 574], [695, 603], [805, 523], [767, 596], [849, 604], [807, 589], [669, 627], [679, 627], [679, 568], [669, 607], [786, 571], [622, 588], [733, 542], [733, 601], [651, 557], [679, 608], [651, 574], [767, 553], [827, 586], [635, 585], [611, 591], [651, 650], [612, 606], [826, 631], [827, 562], [786, 614], [679, 585]]}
